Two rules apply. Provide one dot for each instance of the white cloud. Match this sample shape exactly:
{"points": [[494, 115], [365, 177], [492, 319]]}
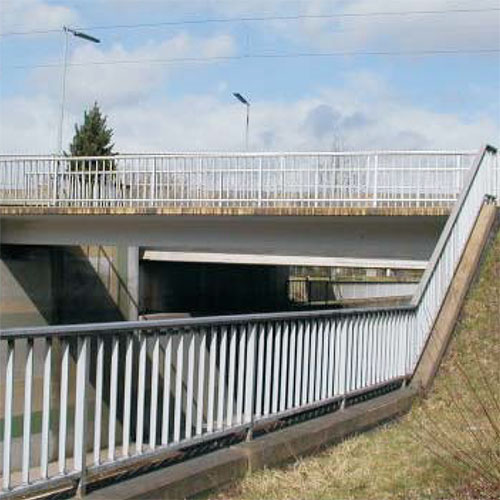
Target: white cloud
{"points": [[112, 83], [373, 32], [362, 110], [27, 15]]}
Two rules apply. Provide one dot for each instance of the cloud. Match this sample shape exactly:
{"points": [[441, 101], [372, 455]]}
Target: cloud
{"points": [[97, 73], [26, 15], [360, 111], [322, 120], [374, 32]]}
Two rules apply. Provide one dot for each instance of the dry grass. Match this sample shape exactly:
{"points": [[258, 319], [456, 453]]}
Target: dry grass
{"points": [[417, 457]]}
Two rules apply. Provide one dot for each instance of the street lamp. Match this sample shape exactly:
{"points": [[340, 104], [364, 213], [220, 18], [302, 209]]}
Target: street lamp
{"points": [[247, 104], [78, 34]]}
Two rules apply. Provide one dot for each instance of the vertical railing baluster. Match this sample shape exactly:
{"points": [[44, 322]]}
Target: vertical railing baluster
{"points": [[251, 350], [325, 334], [319, 360], [231, 377], [127, 394], [241, 375], [98, 400], [202, 353], [212, 381], [167, 370], [7, 429], [306, 361], [28, 390], [285, 331], [179, 374], [47, 374], [292, 352], [153, 412], [343, 360], [113, 397], [190, 386], [275, 393], [312, 359], [260, 371], [299, 362], [268, 381], [80, 446], [222, 377], [332, 324]]}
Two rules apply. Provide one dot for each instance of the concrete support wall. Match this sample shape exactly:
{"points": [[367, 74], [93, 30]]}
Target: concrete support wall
{"points": [[41, 285], [27, 286]]}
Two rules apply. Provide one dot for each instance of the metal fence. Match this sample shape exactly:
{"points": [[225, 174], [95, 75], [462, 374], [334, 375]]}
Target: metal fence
{"points": [[130, 391], [358, 179], [317, 291]]}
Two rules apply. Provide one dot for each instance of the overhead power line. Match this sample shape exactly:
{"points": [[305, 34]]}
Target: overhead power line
{"points": [[293, 17], [290, 55]]}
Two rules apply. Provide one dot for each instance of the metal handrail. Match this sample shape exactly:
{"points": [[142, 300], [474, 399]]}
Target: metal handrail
{"points": [[253, 154]]}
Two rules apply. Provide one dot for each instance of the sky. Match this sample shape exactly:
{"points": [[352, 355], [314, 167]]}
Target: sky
{"points": [[319, 74]]}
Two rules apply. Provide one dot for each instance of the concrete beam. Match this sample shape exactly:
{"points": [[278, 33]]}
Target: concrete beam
{"points": [[280, 260], [374, 237]]}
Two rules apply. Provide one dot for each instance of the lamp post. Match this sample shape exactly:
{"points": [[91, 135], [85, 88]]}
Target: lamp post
{"points": [[78, 34], [247, 104]]}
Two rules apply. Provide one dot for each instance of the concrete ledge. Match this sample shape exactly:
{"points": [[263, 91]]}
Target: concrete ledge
{"points": [[312, 436], [226, 211], [181, 480], [217, 469], [444, 326]]}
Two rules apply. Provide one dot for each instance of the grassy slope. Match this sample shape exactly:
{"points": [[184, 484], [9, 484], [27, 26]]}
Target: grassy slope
{"points": [[394, 461]]}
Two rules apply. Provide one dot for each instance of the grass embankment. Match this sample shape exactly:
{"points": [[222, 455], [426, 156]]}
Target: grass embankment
{"points": [[444, 448]]}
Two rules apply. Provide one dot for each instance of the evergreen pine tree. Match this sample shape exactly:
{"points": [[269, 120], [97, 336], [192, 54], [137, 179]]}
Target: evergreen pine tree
{"points": [[93, 137]]}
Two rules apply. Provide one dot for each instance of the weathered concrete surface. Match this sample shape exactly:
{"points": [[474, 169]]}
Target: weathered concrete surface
{"points": [[43, 285], [198, 475], [182, 480], [374, 237], [445, 324]]}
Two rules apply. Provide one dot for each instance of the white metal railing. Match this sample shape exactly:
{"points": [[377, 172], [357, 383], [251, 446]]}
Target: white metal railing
{"points": [[117, 393], [357, 179]]}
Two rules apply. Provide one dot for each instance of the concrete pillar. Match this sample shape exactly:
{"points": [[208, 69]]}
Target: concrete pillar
{"points": [[133, 282]]}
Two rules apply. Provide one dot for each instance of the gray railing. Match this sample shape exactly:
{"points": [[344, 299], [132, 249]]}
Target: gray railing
{"points": [[118, 393], [357, 179]]}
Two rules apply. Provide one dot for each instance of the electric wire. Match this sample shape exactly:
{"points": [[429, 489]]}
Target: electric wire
{"points": [[293, 17]]}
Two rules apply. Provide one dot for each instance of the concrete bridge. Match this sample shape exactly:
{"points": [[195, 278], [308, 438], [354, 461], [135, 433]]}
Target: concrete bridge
{"points": [[270, 204], [85, 402]]}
